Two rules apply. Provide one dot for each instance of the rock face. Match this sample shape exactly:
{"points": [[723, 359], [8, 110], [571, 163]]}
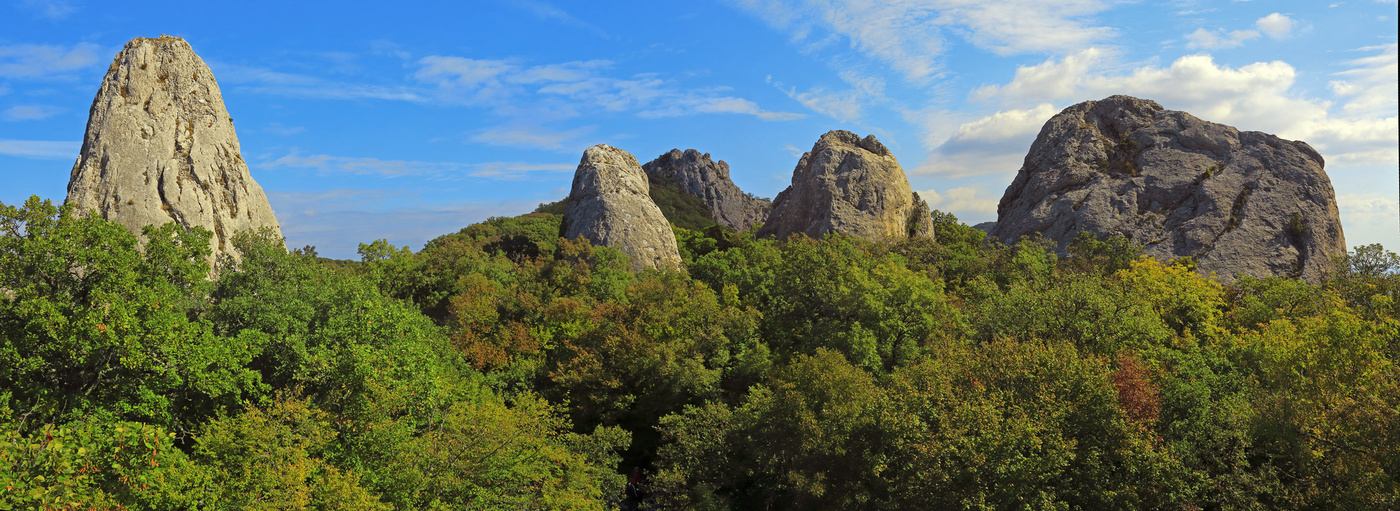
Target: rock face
{"points": [[695, 173], [849, 185], [1239, 202], [611, 206], [160, 147]]}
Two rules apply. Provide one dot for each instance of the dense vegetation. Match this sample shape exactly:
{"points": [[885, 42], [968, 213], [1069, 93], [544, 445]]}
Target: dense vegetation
{"points": [[504, 367]]}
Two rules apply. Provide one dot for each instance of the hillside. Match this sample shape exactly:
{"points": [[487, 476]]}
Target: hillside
{"points": [[505, 367]]}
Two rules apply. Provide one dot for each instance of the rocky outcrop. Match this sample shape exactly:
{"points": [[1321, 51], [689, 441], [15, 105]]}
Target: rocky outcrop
{"points": [[610, 205], [852, 186], [1240, 202], [160, 147], [696, 174]]}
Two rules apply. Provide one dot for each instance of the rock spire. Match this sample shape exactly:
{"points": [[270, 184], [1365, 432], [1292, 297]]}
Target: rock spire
{"points": [[610, 205], [160, 147]]}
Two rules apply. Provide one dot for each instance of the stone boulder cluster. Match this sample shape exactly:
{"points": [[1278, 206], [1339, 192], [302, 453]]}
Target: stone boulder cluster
{"points": [[845, 185], [698, 175], [1239, 202], [160, 147]]}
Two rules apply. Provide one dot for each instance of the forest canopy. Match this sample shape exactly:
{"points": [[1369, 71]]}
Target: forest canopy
{"points": [[505, 367]]}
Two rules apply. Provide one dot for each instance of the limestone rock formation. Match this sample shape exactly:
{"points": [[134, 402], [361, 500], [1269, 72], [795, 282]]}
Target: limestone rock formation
{"points": [[852, 186], [1240, 202], [160, 147], [610, 205], [695, 173]]}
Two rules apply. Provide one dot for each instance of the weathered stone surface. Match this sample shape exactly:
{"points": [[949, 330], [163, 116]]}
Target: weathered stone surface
{"points": [[1239, 202], [695, 173], [160, 147], [852, 186], [610, 205]]}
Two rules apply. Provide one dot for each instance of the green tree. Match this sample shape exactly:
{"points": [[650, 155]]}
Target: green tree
{"points": [[94, 323]]}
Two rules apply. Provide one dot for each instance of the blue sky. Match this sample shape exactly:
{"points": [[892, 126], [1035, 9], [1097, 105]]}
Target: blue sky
{"points": [[409, 120]]}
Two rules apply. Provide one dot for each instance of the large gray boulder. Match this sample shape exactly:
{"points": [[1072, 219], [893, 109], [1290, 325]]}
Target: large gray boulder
{"points": [[696, 174], [160, 147], [1240, 202], [610, 205], [852, 186]]}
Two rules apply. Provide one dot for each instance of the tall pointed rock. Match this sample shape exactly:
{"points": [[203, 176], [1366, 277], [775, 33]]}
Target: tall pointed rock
{"points": [[160, 147], [610, 204]]}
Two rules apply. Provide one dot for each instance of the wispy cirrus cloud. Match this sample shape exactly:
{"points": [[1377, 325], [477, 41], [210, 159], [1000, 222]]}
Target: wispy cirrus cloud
{"points": [[567, 89], [1219, 38], [325, 164], [534, 137], [40, 61], [259, 80], [911, 35], [40, 149], [30, 112], [551, 12], [49, 9]]}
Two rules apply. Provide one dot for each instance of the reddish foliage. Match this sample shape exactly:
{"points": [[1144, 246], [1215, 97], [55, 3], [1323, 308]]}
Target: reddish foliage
{"points": [[1137, 395]]}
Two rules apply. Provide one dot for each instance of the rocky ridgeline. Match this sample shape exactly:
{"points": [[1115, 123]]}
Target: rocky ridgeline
{"points": [[610, 205], [1239, 202], [160, 147], [698, 175], [852, 186]]}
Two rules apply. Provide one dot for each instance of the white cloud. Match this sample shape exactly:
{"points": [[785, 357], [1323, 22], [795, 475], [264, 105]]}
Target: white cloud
{"points": [[326, 164], [40, 149], [908, 35], [1358, 124], [1051, 79], [532, 136], [547, 11], [1276, 26], [1369, 87], [30, 112], [1218, 39], [1369, 218], [560, 90], [51, 9], [842, 106], [30, 61], [258, 80], [518, 170], [989, 145], [962, 200]]}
